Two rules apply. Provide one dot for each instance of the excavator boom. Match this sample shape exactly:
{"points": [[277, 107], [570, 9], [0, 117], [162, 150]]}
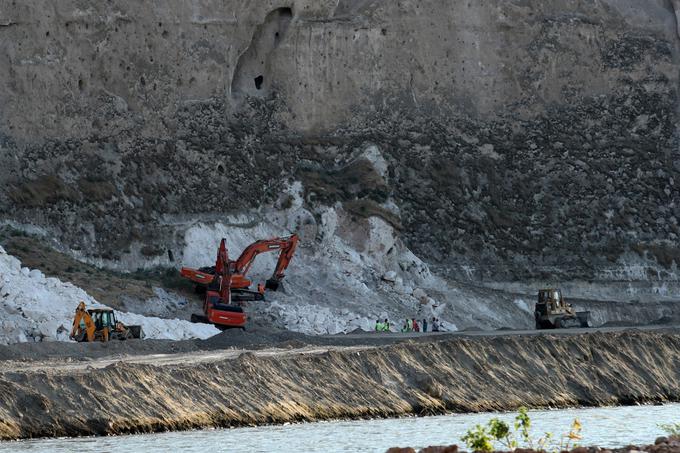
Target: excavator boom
{"points": [[79, 333], [286, 246], [197, 276], [242, 265]]}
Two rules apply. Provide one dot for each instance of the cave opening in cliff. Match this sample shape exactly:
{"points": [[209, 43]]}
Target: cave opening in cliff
{"points": [[256, 59]]}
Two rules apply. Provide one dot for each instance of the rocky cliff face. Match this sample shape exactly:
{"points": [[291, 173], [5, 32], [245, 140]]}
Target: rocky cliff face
{"points": [[502, 140]]}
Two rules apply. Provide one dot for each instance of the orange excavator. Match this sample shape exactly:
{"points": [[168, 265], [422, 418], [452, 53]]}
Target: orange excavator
{"points": [[227, 285], [240, 284]]}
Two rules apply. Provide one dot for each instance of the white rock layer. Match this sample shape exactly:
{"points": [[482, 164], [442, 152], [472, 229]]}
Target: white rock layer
{"points": [[36, 308]]}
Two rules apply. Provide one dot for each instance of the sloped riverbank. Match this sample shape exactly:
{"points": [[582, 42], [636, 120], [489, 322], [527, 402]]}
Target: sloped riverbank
{"points": [[236, 388]]}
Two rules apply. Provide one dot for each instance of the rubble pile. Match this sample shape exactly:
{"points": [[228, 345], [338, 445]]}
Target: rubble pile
{"points": [[36, 308]]}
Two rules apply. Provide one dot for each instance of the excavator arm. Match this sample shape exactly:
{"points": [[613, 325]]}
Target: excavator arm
{"points": [[285, 257], [224, 269], [285, 245], [242, 265]]}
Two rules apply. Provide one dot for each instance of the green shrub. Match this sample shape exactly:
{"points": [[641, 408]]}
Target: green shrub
{"points": [[497, 432], [478, 439], [672, 429]]}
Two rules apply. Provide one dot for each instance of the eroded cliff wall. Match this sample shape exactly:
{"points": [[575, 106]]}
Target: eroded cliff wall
{"points": [[521, 138]]}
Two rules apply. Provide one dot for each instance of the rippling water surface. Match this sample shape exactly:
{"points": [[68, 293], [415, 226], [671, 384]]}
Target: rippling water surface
{"points": [[616, 426]]}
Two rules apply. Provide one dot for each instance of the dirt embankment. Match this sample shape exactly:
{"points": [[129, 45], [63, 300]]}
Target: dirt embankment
{"points": [[229, 388]]}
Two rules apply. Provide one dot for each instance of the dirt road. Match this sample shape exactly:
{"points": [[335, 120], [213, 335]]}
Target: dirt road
{"points": [[82, 360], [160, 360], [234, 342], [507, 333]]}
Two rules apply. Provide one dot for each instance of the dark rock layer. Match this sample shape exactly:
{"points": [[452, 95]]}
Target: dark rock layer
{"points": [[524, 139]]}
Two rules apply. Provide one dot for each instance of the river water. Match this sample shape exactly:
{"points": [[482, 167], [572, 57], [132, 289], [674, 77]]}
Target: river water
{"points": [[611, 427]]}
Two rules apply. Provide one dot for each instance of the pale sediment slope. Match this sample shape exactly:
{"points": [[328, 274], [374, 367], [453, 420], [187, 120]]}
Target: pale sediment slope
{"points": [[316, 384], [36, 308]]}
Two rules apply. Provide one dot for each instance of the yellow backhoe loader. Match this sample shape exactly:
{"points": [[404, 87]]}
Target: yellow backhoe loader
{"points": [[100, 324]]}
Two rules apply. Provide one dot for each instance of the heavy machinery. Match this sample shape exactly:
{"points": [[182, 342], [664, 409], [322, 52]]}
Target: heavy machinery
{"points": [[552, 312], [218, 307], [240, 284], [226, 285], [100, 324]]}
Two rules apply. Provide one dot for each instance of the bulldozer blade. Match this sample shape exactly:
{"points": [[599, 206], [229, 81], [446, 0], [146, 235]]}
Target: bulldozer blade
{"points": [[584, 318], [274, 285]]}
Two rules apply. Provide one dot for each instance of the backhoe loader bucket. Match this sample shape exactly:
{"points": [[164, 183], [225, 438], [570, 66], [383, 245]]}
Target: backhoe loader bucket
{"points": [[136, 331]]}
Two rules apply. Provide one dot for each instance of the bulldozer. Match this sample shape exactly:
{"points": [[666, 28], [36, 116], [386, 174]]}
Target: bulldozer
{"points": [[100, 324], [552, 312]]}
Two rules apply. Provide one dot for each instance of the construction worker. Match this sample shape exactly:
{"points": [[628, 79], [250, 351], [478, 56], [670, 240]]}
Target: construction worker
{"points": [[386, 325], [378, 326]]}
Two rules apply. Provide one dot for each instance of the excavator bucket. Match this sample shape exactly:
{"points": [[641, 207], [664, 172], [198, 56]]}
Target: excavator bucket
{"points": [[274, 285]]}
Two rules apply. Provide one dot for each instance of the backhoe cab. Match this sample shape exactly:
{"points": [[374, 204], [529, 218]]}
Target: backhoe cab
{"points": [[552, 312]]}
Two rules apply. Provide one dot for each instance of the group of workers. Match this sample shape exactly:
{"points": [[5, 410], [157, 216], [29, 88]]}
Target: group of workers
{"points": [[410, 325], [382, 326]]}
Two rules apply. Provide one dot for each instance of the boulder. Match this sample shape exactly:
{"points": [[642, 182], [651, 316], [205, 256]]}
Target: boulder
{"points": [[420, 294], [390, 276]]}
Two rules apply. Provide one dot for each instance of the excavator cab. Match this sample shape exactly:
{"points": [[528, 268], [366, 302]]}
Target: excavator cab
{"points": [[104, 322]]}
